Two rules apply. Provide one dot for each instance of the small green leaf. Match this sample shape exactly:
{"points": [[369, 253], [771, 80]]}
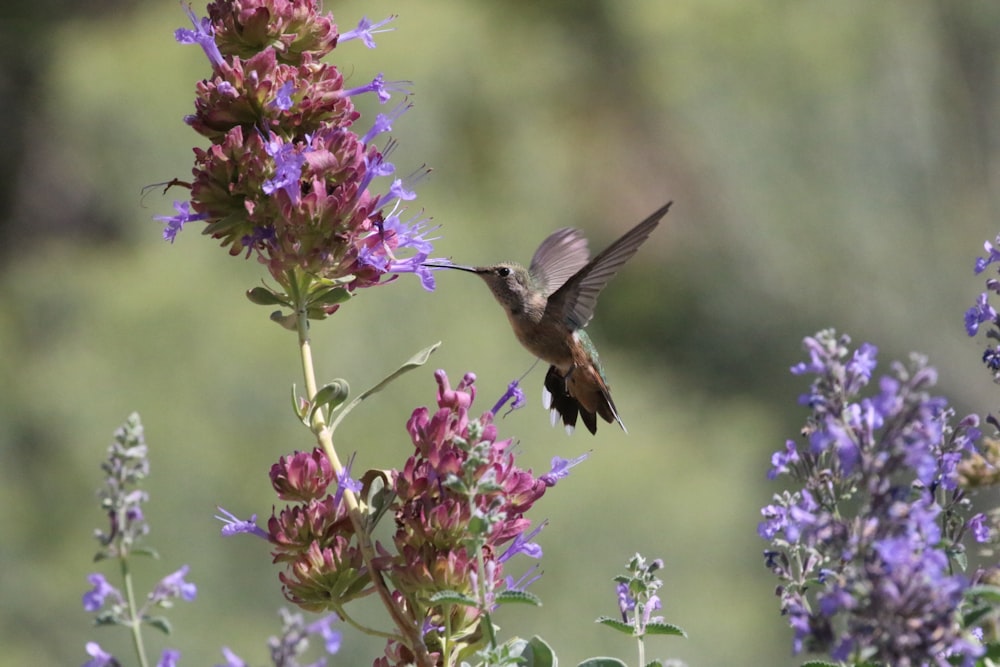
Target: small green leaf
{"points": [[416, 361], [289, 321], [160, 623], [299, 406], [654, 663], [602, 662], [616, 624], [331, 296], [664, 629], [263, 296], [146, 551], [377, 490], [821, 663], [330, 395], [961, 559], [452, 597], [522, 597]]}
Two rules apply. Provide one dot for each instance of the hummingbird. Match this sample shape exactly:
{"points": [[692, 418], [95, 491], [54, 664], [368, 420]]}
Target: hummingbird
{"points": [[550, 303]]}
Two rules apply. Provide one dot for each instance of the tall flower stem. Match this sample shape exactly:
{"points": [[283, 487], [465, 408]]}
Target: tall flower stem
{"points": [[136, 624], [324, 436]]}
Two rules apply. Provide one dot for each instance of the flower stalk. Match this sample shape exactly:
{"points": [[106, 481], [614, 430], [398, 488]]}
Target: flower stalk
{"points": [[410, 634]]}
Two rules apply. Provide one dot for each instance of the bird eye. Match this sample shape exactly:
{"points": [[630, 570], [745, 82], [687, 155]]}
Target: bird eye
{"points": [[503, 272]]}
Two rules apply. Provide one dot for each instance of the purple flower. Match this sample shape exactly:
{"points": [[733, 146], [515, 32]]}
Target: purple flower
{"points": [[514, 394], [345, 483], [324, 628], [94, 598], [626, 603], [522, 544], [560, 469], [283, 99], [980, 529], [383, 122], [99, 657], [780, 461], [981, 312], [174, 586], [521, 584], [234, 525], [169, 658], [992, 255], [381, 247], [381, 88], [775, 521], [202, 35], [288, 163], [365, 30], [175, 223], [232, 660]]}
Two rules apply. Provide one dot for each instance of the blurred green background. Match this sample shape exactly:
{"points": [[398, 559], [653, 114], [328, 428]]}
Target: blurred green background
{"points": [[832, 164]]}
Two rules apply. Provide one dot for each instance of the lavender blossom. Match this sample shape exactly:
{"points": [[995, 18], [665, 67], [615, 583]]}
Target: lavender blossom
{"points": [[125, 469], [861, 543]]}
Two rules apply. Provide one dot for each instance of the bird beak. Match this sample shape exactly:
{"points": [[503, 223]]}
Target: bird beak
{"points": [[445, 264]]}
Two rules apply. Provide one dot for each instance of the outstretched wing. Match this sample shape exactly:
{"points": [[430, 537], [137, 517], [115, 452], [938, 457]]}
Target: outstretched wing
{"points": [[559, 256], [576, 299]]}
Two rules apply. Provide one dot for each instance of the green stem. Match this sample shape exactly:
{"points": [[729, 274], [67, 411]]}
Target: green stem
{"points": [[134, 613], [642, 652], [410, 631]]}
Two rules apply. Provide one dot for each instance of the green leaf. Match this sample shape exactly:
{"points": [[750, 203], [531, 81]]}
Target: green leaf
{"points": [[452, 597], [821, 663], [984, 592], [416, 361], [616, 624], [602, 662], [961, 559], [539, 653], [263, 296], [299, 406], [664, 629], [146, 551], [330, 395], [159, 622], [289, 321], [654, 663], [376, 489], [522, 597]]}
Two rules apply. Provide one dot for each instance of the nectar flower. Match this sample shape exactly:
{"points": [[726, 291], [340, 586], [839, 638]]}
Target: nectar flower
{"points": [[365, 30], [234, 525], [873, 583], [203, 35], [286, 179]]}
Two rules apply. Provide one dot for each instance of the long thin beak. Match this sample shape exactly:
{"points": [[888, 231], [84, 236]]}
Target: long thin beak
{"points": [[436, 265]]}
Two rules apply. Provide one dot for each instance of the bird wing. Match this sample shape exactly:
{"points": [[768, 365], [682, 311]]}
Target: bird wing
{"points": [[559, 256], [576, 299]]}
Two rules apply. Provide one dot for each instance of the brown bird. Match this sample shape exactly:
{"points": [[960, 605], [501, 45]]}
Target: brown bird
{"points": [[549, 304]]}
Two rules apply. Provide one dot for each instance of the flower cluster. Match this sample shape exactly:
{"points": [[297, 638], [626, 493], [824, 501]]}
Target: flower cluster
{"points": [[294, 641], [286, 178], [314, 538], [126, 467], [460, 496], [865, 544], [983, 313], [458, 502], [637, 593]]}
